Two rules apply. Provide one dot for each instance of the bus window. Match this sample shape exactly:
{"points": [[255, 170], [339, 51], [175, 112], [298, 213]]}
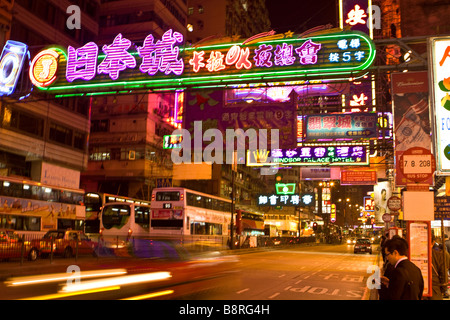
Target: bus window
{"points": [[115, 216], [168, 196], [142, 216]]}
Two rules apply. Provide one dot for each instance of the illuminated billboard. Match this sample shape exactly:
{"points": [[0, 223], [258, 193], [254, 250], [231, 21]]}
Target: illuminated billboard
{"points": [[440, 72], [169, 63], [310, 155], [341, 126]]}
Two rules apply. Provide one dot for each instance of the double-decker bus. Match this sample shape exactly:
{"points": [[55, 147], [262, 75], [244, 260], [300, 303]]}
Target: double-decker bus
{"points": [[249, 223], [94, 201], [31, 207], [175, 214]]}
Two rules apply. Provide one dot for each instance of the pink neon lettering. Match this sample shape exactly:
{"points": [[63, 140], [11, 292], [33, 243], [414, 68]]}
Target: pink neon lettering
{"points": [[263, 55], [308, 52], [117, 58], [284, 55], [162, 55], [329, 122], [82, 62]]}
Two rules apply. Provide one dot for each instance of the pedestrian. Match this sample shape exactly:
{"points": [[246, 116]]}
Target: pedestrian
{"points": [[383, 292], [405, 282], [447, 243], [439, 278]]}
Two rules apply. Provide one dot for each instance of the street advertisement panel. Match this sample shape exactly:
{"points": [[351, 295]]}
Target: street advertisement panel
{"points": [[440, 88], [412, 126], [382, 192], [419, 233]]}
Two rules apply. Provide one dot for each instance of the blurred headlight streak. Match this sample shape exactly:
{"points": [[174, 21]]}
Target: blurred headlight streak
{"points": [[39, 279], [150, 295], [65, 295], [116, 281]]}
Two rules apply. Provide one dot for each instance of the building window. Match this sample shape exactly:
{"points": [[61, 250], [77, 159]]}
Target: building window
{"points": [[200, 9], [22, 121], [60, 134]]}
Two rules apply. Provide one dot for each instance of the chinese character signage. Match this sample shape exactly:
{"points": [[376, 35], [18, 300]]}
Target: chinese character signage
{"points": [[350, 177], [341, 126], [369, 204], [208, 106], [168, 63], [442, 208], [310, 155], [440, 71], [284, 200], [356, 14]]}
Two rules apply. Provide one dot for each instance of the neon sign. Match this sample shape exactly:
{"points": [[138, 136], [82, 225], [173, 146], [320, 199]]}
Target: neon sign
{"points": [[168, 63], [11, 64], [285, 188], [349, 126], [301, 200], [310, 155]]}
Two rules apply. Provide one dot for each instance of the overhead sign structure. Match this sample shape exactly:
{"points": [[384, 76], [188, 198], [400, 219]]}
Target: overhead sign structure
{"points": [[168, 63], [310, 155]]}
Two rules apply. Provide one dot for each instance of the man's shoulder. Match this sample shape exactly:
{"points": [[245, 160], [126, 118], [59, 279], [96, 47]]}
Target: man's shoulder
{"points": [[408, 266]]}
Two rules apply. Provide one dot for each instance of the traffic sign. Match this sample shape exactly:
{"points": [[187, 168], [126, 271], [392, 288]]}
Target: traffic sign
{"points": [[394, 203], [417, 164], [163, 182], [386, 217]]}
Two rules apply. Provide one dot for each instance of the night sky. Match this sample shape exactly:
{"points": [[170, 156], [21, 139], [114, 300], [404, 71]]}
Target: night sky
{"points": [[301, 15]]}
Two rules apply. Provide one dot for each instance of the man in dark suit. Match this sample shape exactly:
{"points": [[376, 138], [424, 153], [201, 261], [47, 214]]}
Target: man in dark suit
{"points": [[405, 282]]}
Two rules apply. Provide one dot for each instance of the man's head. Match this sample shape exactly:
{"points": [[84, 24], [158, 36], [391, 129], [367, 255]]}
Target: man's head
{"points": [[395, 249]]}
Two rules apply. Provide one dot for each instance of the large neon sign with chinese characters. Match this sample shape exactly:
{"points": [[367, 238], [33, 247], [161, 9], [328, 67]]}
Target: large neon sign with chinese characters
{"points": [[341, 126], [288, 200], [168, 63], [310, 155]]}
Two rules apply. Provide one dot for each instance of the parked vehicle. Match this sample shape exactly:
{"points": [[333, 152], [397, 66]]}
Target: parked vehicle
{"points": [[66, 243], [363, 245], [12, 245]]}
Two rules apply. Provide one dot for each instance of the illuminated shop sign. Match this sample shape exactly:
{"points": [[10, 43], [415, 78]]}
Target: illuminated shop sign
{"points": [[440, 68], [285, 188], [341, 126], [167, 63], [310, 155], [12, 61], [286, 200], [172, 141]]}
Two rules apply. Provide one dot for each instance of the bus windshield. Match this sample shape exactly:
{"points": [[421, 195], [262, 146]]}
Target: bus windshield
{"points": [[168, 196], [115, 215]]}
